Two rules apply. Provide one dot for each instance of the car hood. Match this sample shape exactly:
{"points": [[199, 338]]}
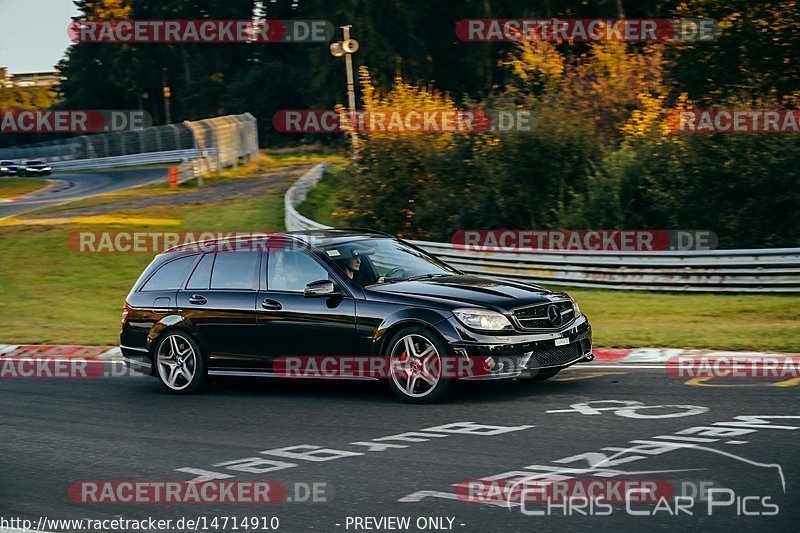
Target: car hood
{"points": [[465, 291]]}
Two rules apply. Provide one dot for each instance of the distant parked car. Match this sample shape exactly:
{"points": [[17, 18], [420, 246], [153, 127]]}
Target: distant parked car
{"points": [[8, 168], [35, 168]]}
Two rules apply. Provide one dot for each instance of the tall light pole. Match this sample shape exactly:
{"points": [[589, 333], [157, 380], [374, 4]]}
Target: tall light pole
{"points": [[167, 112], [347, 48], [350, 46], [167, 95]]}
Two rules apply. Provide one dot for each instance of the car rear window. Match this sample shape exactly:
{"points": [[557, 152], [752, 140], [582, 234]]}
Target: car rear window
{"points": [[171, 275]]}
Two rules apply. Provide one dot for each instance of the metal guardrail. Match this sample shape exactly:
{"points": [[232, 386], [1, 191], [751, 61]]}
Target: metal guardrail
{"points": [[149, 158], [296, 195], [758, 270]]}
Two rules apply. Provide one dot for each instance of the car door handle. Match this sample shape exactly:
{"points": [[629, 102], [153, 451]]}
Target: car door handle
{"points": [[197, 299], [271, 304]]}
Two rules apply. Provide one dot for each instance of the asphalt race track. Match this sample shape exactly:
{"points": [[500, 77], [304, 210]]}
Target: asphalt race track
{"points": [[56, 432], [71, 186]]}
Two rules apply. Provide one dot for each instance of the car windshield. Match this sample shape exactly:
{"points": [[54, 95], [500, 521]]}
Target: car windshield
{"points": [[34, 162], [374, 261]]}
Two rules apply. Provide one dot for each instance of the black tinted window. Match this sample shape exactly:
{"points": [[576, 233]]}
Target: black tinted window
{"points": [[201, 277], [171, 275], [234, 270], [289, 270]]}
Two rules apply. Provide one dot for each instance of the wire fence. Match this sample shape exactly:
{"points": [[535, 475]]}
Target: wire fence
{"points": [[215, 143]]}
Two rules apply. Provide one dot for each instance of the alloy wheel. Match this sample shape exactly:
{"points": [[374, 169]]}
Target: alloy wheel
{"points": [[177, 362], [415, 366]]}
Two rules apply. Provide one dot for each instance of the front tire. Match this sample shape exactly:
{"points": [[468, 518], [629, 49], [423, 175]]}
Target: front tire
{"points": [[180, 365], [416, 359]]}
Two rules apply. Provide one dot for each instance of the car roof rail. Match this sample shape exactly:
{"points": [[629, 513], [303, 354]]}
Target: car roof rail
{"points": [[366, 230], [295, 236], [233, 238], [343, 228]]}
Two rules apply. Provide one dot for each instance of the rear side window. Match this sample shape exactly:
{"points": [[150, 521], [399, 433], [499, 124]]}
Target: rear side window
{"points": [[201, 277], [171, 275], [234, 270]]}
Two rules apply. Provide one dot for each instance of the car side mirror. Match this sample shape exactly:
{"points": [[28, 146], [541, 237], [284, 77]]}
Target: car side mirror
{"points": [[319, 289]]}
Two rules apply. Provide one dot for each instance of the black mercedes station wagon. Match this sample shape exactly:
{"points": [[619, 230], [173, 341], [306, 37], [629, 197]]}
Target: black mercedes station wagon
{"points": [[341, 303]]}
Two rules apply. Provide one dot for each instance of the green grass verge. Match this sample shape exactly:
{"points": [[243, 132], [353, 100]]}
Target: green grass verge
{"points": [[630, 319], [11, 187]]}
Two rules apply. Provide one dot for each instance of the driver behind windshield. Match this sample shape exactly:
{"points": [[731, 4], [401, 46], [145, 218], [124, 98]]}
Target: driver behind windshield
{"points": [[351, 266], [384, 261], [348, 259]]}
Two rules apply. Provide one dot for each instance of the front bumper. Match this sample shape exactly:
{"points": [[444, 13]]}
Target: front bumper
{"points": [[524, 353]]}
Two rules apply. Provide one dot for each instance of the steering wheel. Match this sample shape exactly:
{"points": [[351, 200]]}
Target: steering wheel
{"points": [[395, 272]]}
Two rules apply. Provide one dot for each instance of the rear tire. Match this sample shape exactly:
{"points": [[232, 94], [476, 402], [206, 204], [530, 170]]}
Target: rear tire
{"points": [[180, 365], [415, 358]]}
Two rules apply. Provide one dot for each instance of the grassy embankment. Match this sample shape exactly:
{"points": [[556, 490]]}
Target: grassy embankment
{"points": [[13, 187]]}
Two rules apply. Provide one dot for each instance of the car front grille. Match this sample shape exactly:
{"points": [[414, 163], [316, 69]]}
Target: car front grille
{"points": [[555, 356], [536, 316]]}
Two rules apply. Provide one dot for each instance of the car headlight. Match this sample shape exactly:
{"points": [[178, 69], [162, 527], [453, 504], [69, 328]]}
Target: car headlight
{"points": [[576, 310], [482, 319]]}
